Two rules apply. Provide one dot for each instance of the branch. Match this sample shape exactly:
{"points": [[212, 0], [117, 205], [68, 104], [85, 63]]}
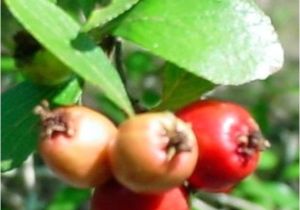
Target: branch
{"points": [[239, 203], [199, 204], [119, 62], [229, 200], [122, 72]]}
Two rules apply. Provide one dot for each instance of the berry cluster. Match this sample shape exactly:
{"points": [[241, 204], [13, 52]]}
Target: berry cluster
{"points": [[150, 159]]}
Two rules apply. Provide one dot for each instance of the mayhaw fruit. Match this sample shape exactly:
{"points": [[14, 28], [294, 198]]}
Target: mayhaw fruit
{"points": [[113, 196], [229, 142], [74, 142], [153, 152]]}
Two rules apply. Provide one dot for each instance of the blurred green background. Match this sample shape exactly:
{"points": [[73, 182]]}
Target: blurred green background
{"points": [[274, 103]]}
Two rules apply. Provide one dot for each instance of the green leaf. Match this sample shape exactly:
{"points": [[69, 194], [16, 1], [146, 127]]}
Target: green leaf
{"points": [[72, 93], [19, 125], [268, 161], [105, 14], [68, 199], [291, 172], [150, 98], [8, 64], [181, 88], [109, 109], [282, 195], [138, 63], [223, 41], [87, 6], [268, 193], [59, 33], [72, 8], [254, 190]]}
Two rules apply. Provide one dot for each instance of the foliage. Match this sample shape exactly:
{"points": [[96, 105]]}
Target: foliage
{"points": [[175, 53]]}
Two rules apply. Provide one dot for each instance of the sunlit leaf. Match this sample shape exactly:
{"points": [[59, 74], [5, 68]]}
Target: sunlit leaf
{"points": [[225, 42], [102, 15]]}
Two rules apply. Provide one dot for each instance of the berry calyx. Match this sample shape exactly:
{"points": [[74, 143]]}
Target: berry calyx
{"points": [[52, 122], [249, 144]]}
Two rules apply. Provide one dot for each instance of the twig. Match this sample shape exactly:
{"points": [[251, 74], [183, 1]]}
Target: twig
{"points": [[119, 63], [122, 72], [229, 200], [239, 203], [201, 205]]}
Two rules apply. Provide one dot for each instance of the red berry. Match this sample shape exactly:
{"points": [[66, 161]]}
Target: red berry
{"points": [[74, 144], [113, 196], [229, 142], [153, 152]]}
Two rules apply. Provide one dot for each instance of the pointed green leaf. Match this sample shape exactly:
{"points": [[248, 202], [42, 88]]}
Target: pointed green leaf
{"points": [[223, 41], [100, 16], [181, 88], [59, 33]]}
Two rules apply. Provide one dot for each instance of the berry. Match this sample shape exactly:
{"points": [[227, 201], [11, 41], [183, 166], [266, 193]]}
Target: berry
{"points": [[74, 142], [229, 142], [113, 196], [153, 152]]}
